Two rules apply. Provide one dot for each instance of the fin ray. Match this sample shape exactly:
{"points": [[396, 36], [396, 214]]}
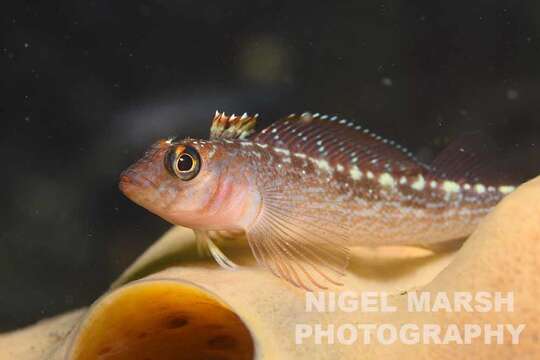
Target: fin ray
{"points": [[205, 245], [297, 248], [466, 159], [308, 247]]}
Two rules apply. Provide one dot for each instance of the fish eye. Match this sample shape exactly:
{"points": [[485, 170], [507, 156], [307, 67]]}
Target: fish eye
{"points": [[183, 162]]}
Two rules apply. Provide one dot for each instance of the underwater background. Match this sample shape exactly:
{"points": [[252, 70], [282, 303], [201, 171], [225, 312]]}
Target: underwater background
{"points": [[86, 86]]}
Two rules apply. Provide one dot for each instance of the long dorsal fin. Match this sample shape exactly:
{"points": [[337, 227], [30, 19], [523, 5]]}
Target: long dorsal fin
{"points": [[339, 141], [232, 127]]}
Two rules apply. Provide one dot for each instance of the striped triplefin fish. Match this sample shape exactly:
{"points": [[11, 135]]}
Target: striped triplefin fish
{"points": [[305, 189]]}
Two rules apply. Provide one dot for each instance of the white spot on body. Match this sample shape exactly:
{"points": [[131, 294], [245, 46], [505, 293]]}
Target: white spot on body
{"points": [[387, 180], [506, 189], [419, 184], [480, 188], [403, 180], [322, 164], [355, 173], [370, 175], [300, 155], [451, 186], [262, 146], [340, 167], [433, 184], [282, 151]]}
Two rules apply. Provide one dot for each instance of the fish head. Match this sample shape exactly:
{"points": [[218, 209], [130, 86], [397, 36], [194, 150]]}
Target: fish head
{"points": [[192, 183]]}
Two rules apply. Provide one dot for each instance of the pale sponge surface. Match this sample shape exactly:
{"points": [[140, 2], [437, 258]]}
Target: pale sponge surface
{"points": [[261, 310]]}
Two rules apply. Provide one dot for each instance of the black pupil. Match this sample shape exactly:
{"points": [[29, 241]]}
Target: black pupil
{"points": [[185, 162]]}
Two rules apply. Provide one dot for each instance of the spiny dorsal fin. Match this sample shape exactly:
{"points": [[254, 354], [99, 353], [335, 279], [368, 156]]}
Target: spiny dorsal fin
{"points": [[232, 127]]}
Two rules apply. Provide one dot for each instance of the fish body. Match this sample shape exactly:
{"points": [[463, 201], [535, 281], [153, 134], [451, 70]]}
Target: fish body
{"points": [[304, 190]]}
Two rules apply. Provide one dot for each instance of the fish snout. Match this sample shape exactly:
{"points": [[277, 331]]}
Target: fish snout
{"points": [[134, 179], [126, 182]]}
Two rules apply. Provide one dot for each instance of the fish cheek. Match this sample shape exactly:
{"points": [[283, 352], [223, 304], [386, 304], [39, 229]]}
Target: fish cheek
{"points": [[191, 196]]}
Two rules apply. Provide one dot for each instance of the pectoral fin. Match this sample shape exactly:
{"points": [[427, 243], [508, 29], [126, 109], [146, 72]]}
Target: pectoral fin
{"points": [[299, 248]]}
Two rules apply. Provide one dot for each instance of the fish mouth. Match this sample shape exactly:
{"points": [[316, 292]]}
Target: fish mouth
{"points": [[131, 181]]}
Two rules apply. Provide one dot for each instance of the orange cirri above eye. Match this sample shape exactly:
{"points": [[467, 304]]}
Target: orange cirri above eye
{"points": [[179, 149]]}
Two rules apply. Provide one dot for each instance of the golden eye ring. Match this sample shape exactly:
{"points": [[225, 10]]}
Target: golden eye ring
{"points": [[183, 162]]}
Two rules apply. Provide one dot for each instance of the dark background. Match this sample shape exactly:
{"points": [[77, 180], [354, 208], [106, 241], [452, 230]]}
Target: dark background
{"points": [[85, 86]]}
